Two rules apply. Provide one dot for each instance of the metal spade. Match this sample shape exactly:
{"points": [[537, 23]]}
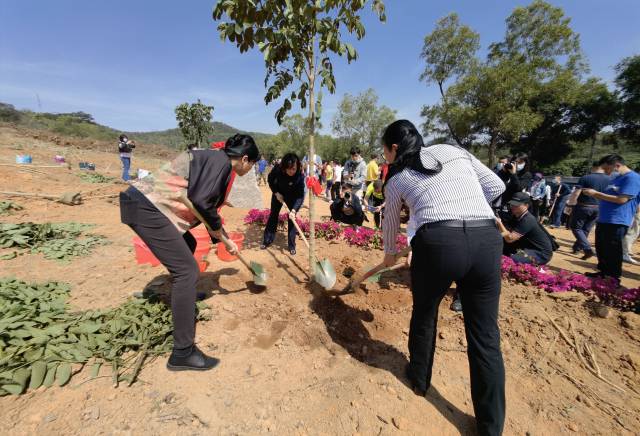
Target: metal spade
{"points": [[258, 271], [323, 272]]}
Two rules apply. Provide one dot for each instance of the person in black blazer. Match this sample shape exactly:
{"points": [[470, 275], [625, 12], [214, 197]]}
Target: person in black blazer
{"points": [[286, 181]]}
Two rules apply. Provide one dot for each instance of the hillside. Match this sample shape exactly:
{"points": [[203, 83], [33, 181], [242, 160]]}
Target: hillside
{"points": [[82, 125]]}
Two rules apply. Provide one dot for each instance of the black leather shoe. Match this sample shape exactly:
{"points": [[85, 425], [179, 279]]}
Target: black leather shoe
{"points": [[264, 246], [594, 275], [456, 305], [587, 255], [417, 387], [194, 361]]}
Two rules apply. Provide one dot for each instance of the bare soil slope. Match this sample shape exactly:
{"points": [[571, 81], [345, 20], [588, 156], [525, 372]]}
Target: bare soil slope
{"points": [[298, 360]]}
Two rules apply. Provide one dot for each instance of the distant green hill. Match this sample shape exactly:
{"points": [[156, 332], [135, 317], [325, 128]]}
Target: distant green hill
{"points": [[82, 125]]}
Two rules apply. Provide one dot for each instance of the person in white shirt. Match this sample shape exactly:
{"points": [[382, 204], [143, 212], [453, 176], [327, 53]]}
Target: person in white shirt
{"points": [[337, 181]]}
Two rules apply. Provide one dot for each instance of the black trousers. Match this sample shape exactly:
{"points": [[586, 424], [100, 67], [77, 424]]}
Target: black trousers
{"points": [[471, 258], [272, 224], [609, 248], [582, 220], [376, 215], [175, 252], [335, 191]]}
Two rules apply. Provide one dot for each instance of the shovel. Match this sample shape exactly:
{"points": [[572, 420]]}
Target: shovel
{"points": [[68, 198], [323, 272], [376, 271], [259, 274]]}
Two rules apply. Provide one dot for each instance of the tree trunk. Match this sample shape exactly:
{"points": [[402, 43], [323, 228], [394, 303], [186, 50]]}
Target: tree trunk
{"points": [[592, 152], [446, 110], [492, 152], [312, 156]]}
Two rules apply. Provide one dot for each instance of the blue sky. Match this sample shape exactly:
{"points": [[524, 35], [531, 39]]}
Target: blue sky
{"points": [[130, 62]]}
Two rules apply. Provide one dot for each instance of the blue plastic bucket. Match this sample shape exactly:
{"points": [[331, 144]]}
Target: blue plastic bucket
{"points": [[23, 159]]}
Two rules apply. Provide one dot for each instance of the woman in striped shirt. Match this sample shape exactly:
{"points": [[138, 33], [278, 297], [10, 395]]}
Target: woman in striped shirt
{"points": [[449, 192]]}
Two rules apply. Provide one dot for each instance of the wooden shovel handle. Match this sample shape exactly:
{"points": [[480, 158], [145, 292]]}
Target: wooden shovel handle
{"points": [[380, 268], [223, 238], [295, 223]]}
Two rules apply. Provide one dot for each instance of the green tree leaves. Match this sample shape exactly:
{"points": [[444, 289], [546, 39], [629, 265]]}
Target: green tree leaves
{"points": [[290, 33], [521, 96], [40, 339], [360, 121], [628, 80], [194, 121]]}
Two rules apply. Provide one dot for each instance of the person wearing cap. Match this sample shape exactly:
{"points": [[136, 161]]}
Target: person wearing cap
{"points": [[526, 242]]}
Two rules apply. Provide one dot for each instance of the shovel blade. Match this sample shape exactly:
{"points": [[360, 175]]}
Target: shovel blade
{"points": [[259, 274], [324, 274], [374, 278]]}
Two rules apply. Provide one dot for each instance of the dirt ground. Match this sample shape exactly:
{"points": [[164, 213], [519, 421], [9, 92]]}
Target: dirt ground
{"points": [[296, 360]]}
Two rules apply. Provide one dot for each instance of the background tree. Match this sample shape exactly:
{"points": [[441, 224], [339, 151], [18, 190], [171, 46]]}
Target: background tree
{"points": [[297, 39], [628, 81], [360, 121], [449, 52], [521, 96], [596, 108], [194, 121]]}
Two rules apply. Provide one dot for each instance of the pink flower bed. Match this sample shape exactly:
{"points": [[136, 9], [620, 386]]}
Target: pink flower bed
{"points": [[562, 281], [606, 289], [329, 230]]}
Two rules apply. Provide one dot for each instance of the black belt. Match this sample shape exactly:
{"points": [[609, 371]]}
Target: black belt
{"points": [[462, 223]]}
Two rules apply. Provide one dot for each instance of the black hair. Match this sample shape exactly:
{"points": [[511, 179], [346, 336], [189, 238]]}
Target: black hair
{"points": [[123, 137], [290, 160], [522, 156], [191, 146], [595, 164], [611, 159], [354, 150], [410, 143], [242, 145], [346, 186], [377, 184], [374, 156], [503, 157]]}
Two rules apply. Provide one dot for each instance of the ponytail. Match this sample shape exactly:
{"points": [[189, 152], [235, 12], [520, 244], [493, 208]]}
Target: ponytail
{"points": [[410, 144]]}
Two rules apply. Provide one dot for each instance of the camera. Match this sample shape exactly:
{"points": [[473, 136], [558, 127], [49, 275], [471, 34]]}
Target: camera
{"points": [[508, 166], [347, 195]]}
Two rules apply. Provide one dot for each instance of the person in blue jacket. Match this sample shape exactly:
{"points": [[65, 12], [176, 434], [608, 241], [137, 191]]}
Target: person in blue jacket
{"points": [[286, 181]]}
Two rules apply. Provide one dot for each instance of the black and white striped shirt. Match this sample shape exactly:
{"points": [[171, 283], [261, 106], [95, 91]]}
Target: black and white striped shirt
{"points": [[463, 190]]}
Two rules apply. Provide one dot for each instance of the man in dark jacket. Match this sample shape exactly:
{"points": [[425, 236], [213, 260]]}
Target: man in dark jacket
{"points": [[286, 181], [516, 177], [560, 194], [125, 148], [347, 209]]}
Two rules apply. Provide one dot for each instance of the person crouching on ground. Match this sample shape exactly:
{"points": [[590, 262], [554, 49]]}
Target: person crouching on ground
{"points": [[286, 181], [449, 193], [527, 241], [347, 209], [374, 198], [155, 209]]}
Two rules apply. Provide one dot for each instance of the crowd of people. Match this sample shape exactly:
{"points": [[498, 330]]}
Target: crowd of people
{"points": [[463, 217], [606, 197]]}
